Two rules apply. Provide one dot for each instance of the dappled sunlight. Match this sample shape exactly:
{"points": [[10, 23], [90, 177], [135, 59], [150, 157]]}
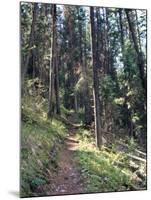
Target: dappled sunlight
{"points": [[83, 99]]}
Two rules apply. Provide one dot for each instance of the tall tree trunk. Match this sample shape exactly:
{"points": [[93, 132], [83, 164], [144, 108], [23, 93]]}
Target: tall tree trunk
{"points": [[51, 100], [140, 57], [87, 102], [75, 102], [121, 30], [95, 82], [70, 61], [83, 64], [138, 32], [108, 57], [106, 41], [57, 86]]}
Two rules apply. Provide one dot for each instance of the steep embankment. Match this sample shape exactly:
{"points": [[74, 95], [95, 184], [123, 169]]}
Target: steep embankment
{"points": [[41, 140]]}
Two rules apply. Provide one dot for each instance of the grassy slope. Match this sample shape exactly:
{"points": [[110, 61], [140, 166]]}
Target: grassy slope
{"points": [[40, 141], [99, 171]]}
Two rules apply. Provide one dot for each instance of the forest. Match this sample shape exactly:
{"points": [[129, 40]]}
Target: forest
{"points": [[83, 99]]}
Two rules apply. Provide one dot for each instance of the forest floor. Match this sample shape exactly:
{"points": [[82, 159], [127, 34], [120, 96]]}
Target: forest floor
{"points": [[75, 171], [64, 159], [67, 180]]}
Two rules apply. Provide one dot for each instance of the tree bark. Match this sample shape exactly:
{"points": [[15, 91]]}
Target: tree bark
{"points": [[95, 82], [57, 87], [51, 100], [87, 103], [83, 63]]}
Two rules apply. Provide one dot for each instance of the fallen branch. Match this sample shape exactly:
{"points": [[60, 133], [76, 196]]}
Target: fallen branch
{"points": [[140, 153], [137, 158], [132, 166]]}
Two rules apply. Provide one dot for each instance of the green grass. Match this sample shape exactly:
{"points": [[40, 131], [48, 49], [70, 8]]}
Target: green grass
{"points": [[99, 173], [39, 136]]}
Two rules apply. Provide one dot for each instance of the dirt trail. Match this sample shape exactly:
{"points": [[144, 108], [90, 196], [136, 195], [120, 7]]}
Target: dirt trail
{"points": [[67, 180]]}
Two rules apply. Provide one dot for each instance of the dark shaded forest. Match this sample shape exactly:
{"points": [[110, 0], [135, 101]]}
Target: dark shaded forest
{"points": [[83, 99]]}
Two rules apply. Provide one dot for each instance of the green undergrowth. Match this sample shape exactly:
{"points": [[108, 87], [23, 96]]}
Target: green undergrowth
{"points": [[75, 117], [99, 170], [41, 139]]}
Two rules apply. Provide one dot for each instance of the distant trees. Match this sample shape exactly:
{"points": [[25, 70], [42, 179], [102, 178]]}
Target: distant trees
{"points": [[31, 42], [91, 61]]}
